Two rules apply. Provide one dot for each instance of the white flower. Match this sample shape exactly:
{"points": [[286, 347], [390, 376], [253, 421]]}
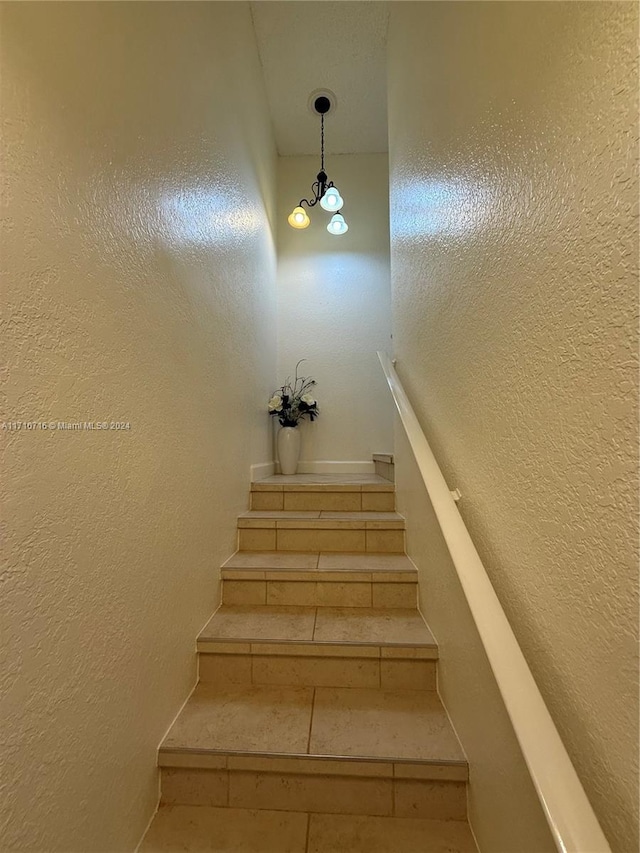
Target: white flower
{"points": [[309, 399], [275, 403]]}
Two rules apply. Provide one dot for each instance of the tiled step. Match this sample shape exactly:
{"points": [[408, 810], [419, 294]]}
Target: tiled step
{"points": [[334, 750], [198, 828], [317, 492], [320, 530], [318, 579], [320, 647]]}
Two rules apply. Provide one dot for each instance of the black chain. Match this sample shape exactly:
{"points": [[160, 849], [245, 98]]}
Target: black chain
{"points": [[322, 141]]}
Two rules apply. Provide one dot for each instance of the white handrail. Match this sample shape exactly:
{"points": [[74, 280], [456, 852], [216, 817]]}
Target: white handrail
{"points": [[571, 818]]}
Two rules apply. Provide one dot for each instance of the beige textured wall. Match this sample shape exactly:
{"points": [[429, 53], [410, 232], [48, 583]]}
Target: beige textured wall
{"points": [[138, 285], [334, 305], [500, 785], [514, 188]]}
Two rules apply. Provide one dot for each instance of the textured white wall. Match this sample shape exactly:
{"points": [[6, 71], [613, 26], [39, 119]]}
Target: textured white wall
{"points": [[514, 189], [139, 285], [334, 305], [500, 785]]}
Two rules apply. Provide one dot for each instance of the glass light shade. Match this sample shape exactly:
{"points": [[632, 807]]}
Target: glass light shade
{"points": [[337, 224], [332, 200], [298, 218]]}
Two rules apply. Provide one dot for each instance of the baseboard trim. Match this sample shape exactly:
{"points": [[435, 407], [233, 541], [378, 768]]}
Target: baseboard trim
{"points": [[328, 466], [324, 466], [262, 470]]}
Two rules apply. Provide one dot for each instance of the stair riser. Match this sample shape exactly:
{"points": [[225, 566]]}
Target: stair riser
{"points": [[313, 539], [320, 594], [338, 794], [297, 671], [385, 469], [324, 501]]}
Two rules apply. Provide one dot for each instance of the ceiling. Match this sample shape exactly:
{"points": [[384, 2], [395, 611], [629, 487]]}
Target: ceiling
{"points": [[306, 45]]}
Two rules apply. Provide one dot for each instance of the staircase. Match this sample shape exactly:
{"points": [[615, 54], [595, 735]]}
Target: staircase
{"points": [[315, 726]]}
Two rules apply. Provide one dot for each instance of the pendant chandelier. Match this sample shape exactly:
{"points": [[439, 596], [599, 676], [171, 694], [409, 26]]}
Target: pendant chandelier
{"points": [[323, 189]]}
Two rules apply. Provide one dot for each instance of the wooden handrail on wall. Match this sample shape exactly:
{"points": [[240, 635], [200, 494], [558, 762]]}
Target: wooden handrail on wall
{"points": [[571, 819]]}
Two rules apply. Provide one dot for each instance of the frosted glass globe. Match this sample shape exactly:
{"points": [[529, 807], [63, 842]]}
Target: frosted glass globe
{"points": [[331, 200], [337, 225]]}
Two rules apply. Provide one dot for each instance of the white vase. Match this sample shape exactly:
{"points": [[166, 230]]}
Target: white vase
{"points": [[288, 449]]}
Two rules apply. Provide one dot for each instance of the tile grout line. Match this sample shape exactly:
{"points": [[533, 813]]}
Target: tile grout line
{"points": [[306, 843], [315, 622], [313, 705], [393, 791]]}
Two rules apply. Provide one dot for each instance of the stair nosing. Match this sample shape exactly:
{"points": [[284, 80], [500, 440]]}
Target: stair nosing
{"points": [[348, 648], [313, 756], [306, 520], [315, 513], [276, 556], [258, 641], [320, 575], [386, 486]]}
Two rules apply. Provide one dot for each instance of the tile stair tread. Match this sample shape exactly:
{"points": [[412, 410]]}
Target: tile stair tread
{"points": [[351, 626], [273, 560], [200, 828], [351, 724], [351, 561]]}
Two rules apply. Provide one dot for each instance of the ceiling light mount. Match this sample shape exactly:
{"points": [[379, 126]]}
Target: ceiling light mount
{"points": [[321, 102], [322, 105]]}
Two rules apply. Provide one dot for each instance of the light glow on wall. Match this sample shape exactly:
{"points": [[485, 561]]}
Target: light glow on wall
{"points": [[436, 206], [210, 216]]}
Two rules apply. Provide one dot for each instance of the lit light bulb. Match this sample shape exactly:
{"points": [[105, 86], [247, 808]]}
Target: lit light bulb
{"points": [[298, 218], [332, 200], [337, 224]]}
